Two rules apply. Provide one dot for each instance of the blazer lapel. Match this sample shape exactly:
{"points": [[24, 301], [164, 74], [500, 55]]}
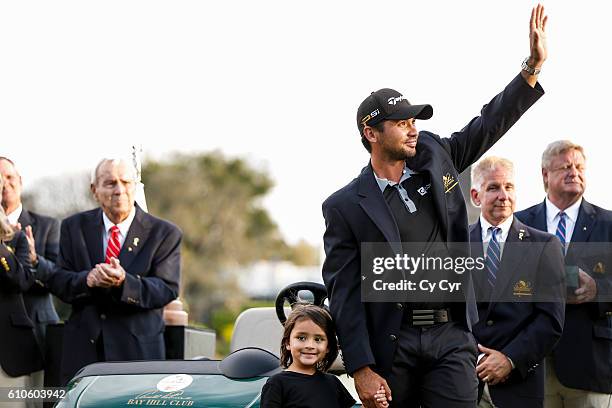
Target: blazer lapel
{"points": [[26, 219], [512, 257], [93, 233], [584, 223], [538, 218], [375, 206], [582, 231], [136, 238]]}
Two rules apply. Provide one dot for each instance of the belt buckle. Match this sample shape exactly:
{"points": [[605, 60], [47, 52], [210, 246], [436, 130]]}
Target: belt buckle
{"points": [[423, 317]]}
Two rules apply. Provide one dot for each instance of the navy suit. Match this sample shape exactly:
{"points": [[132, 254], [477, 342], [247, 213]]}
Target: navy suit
{"points": [[127, 318], [358, 213], [37, 299], [583, 357], [19, 351], [522, 326]]}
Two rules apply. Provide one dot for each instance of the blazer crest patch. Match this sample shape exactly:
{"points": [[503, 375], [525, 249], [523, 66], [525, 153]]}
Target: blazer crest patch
{"points": [[449, 182], [522, 288]]}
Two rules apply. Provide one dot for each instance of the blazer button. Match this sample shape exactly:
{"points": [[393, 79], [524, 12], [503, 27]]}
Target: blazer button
{"points": [[399, 306], [92, 341], [103, 316], [392, 337], [489, 322]]}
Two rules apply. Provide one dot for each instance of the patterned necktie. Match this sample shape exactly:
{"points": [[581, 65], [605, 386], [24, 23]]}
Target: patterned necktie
{"points": [[113, 247], [561, 228], [493, 256]]}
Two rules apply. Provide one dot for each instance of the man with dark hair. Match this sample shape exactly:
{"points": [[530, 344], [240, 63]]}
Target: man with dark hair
{"points": [[408, 193], [118, 267], [579, 372]]}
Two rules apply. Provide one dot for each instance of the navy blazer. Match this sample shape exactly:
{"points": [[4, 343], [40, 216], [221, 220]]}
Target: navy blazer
{"points": [[583, 357], [526, 325], [358, 213], [129, 317], [19, 350], [46, 233]]}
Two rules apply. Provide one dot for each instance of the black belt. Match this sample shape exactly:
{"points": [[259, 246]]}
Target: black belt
{"points": [[429, 317]]}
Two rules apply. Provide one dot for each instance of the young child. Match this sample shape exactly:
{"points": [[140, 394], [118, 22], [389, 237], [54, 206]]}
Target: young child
{"points": [[308, 349]]}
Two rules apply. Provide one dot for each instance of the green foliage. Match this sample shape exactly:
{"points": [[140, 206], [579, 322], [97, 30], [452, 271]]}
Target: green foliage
{"points": [[216, 201]]}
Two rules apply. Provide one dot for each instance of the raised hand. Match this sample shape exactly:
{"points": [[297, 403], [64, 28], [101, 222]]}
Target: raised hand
{"points": [[537, 37]]}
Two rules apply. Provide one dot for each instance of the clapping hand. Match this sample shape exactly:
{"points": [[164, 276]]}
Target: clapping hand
{"points": [[106, 275]]}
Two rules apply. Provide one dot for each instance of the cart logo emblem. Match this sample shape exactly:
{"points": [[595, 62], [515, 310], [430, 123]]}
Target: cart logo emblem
{"points": [[174, 383]]}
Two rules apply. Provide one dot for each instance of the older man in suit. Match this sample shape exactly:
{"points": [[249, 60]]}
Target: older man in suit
{"points": [[580, 370], [20, 354], [118, 266], [521, 292], [408, 193], [42, 233]]}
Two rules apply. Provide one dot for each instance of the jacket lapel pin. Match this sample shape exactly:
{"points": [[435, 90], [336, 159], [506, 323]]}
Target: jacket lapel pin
{"points": [[136, 241], [521, 234]]}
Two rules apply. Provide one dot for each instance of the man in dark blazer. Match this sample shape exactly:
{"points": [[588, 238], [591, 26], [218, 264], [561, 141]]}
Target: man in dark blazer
{"points": [[19, 351], [409, 193], [520, 292], [579, 374], [43, 238], [118, 266]]}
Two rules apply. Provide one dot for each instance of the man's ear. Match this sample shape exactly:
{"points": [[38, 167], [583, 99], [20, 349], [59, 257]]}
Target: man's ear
{"points": [[474, 197], [545, 178], [92, 188], [370, 134]]}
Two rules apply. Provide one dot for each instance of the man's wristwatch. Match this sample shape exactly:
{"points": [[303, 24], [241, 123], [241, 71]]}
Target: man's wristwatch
{"points": [[531, 71]]}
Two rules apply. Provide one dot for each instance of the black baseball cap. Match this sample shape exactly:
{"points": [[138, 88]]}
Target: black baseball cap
{"points": [[386, 104]]}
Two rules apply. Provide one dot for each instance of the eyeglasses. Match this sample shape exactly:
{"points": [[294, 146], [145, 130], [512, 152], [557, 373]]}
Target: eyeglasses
{"points": [[566, 168]]}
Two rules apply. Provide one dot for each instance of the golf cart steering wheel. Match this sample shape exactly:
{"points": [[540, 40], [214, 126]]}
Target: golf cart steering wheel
{"points": [[291, 294]]}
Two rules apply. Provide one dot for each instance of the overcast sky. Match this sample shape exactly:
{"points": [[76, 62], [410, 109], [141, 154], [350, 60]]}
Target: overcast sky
{"points": [[279, 82]]}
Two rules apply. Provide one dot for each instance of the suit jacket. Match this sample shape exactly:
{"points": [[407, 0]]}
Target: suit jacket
{"points": [[583, 357], [527, 323], [129, 317], [37, 299], [19, 351], [358, 213]]}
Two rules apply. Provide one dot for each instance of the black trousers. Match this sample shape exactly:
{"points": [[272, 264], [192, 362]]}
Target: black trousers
{"points": [[434, 367]]}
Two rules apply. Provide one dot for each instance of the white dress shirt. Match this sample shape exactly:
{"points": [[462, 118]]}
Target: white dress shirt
{"points": [[501, 237], [571, 216], [124, 227]]}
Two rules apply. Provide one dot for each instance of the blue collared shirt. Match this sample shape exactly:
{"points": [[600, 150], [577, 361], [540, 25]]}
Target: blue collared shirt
{"points": [[406, 174]]}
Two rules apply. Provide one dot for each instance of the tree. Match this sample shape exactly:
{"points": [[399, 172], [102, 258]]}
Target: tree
{"points": [[217, 203]]}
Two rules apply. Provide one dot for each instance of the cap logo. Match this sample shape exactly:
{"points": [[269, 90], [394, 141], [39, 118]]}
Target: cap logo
{"points": [[371, 115], [393, 101]]}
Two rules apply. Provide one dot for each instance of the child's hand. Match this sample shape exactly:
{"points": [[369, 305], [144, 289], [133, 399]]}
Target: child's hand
{"points": [[381, 398]]}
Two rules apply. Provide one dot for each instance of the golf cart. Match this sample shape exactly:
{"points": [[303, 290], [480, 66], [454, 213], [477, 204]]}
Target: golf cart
{"points": [[235, 381]]}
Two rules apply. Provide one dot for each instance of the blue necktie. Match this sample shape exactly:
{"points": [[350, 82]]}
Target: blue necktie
{"points": [[561, 229], [493, 256]]}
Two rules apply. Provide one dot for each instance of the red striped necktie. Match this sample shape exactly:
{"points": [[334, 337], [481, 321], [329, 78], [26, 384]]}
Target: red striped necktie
{"points": [[113, 246]]}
